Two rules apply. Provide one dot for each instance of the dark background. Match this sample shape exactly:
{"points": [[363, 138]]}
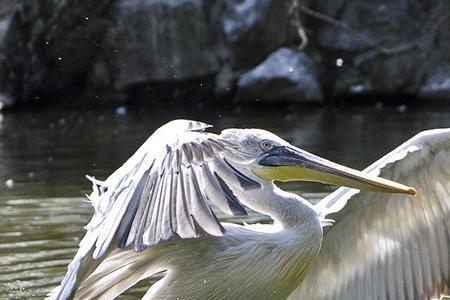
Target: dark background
{"points": [[199, 53]]}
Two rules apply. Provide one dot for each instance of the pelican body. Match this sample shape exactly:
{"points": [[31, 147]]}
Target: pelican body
{"points": [[153, 215]]}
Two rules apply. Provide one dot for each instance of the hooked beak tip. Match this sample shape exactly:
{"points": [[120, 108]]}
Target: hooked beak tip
{"points": [[412, 191]]}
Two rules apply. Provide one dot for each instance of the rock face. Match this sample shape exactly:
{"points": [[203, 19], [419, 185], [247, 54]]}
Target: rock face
{"points": [[253, 28], [286, 75], [49, 48], [159, 40], [405, 42], [67, 51]]}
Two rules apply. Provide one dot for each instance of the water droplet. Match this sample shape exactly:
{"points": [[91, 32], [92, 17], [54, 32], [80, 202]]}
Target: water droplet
{"points": [[379, 105], [86, 18], [9, 183], [402, 108], [339, 62], [121, 111], [357, 89], [59, 58]]}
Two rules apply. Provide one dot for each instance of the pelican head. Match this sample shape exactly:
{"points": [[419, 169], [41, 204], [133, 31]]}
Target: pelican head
{"points": [[271, 158]]}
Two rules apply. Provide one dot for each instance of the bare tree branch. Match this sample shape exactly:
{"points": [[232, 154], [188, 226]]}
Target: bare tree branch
{"points": [[296, 21], [344, 26]]}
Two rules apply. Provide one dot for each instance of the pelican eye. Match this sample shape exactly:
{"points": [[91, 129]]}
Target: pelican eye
{"points": [[266, 145]]}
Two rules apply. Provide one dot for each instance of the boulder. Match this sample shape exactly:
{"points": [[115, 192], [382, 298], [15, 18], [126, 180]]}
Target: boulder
{"points": [[253, 28], [285, 75]]}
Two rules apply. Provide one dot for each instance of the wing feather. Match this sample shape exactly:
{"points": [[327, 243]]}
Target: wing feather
{"points": [[218, 196], [185, 223], [229, 174], [199, 210], [156, 215], [128, 217], [386, 246], [162, 192]]}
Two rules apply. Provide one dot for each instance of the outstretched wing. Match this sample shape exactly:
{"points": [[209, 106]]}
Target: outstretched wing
{"points": [[162, 191], [387, 246]]}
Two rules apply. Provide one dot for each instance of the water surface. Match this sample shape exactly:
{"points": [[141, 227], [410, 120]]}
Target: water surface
{"points": [[45, 155]]}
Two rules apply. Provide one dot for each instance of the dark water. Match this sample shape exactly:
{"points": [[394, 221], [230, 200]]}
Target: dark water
{"points": [[45, 155]]}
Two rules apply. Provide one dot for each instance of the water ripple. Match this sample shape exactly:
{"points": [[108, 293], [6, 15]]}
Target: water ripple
{"points": [[40, 236]]}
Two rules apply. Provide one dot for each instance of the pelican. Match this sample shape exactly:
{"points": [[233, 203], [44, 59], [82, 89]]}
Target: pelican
{"points": [[153, 215]]}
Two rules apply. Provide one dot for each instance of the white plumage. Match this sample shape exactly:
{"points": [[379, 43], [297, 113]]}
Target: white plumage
{"points": [[153, 215], [387, 246]]}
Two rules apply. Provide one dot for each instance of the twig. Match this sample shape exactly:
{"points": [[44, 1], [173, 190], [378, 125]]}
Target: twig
{"points": [[297, 23], [356, 33]]}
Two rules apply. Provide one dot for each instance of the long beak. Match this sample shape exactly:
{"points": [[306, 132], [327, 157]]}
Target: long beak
{"points": [[287, 163]]}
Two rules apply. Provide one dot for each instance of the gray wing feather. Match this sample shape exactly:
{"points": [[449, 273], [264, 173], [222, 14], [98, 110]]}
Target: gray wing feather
{"points": [[161, 192], [201, 211], [386, 246], [220, 198], [127, 220], [185, 223], [229, 174]]}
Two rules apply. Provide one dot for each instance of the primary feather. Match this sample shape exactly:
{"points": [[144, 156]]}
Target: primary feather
{"points": [[386, 246], [157, 195]]}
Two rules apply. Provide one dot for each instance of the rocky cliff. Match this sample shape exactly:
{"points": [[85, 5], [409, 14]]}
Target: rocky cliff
{"points": [[151, 51]]}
